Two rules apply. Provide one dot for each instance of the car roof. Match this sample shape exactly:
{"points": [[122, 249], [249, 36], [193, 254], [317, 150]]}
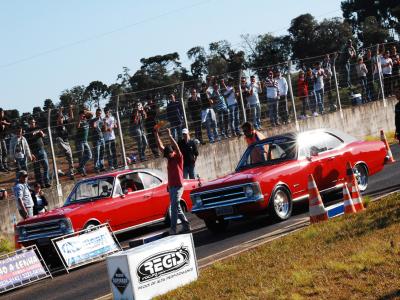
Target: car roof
{"points": [[115, 173]]}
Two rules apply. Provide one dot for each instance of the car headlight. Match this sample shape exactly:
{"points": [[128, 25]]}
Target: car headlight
{"points": [[64, 225], [252, 190], [22, 231], [196, 200], [249, 191]]}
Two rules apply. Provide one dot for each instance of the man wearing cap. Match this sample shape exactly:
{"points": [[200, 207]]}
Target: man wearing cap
{"points": [[190, 152], [23, 195], [35, 140], [4, 124], [175, 180]]}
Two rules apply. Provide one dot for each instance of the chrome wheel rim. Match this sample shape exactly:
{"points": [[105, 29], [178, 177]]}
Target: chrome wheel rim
{"points": [[281, 204], [362, 177]]}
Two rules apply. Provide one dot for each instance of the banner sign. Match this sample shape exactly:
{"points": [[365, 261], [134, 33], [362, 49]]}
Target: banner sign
{"points": [[20, 268], [153, 269], [79, 249]]}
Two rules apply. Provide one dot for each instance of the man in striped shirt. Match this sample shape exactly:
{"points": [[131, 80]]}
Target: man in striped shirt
{"points": [[272, 93]]}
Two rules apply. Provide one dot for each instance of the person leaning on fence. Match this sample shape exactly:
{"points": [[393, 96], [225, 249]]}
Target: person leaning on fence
{"points": [[233, 107], [109, 138], [253, 102], [39, 200], [194, 107], [208, 116], [387, 68], [19, 150], [175, 116], [98, 128], [23, 195], [151, 110], [4, 125], [283, 101], [82, 145], [221, 110], [319, 77], [272, 93], [35, 140], [175, 181], [362, 72], [63, 127], [137, 120], [302, 93]]}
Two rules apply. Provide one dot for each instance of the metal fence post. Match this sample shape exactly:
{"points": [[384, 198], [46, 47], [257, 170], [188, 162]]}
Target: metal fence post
{"points": [[381, 83], [55, 169], [337, 86], [120, 136], [183, 105], [241, 98], [289, 78]]}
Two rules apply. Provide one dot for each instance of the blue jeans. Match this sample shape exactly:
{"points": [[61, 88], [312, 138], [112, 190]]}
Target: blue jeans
{"points": [[176, 132], [111, 151], [175, 194], [98, 148], [212, 130], [319, 99], [141, 142], [21, 164], [222, 120], [364, 87], [273, 110], [41, 161], [84, 153], [312, 101], [347, 74], [255, 110], [234, 118], [188, 172]]}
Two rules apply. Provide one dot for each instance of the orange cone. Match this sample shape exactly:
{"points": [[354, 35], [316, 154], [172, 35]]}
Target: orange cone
{"points": [[389, 152], [353, 187], [347, 202], [317, 210]]}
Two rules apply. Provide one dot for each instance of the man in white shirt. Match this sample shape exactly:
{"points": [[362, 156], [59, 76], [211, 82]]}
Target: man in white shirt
{"points": [[253, 101], [387, 67], [319, 76], [272, 94], [109, 138], [233, 107], [283, 90], [23, 195]]}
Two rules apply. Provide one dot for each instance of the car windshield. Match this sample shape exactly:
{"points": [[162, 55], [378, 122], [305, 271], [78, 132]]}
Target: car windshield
{"points": [[92, 189], [269, 151]]}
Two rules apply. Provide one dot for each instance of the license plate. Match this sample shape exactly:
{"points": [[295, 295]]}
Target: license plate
{"points": [[223, 211]]}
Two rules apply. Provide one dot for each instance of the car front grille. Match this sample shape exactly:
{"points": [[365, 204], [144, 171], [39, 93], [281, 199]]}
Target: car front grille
{"points": [[223, 195], [48, 229]]}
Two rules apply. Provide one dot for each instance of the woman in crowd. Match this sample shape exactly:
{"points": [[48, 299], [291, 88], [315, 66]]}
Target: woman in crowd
{"points": [[39, 200]]}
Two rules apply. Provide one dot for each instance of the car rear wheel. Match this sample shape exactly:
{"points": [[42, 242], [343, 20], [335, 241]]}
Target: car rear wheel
{"points": [[216, 226], [280, 206], [361, 173]]}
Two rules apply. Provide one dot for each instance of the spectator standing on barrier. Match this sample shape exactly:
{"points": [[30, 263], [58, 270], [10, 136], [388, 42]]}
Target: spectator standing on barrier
{"points": [[82, 145], [39, 200], [312, 100], [4, 125], [175, 116], [327, 66], [319, 77], [396, 67], [272, 94], [138, 118], [151, 110], [253, 101], [175, 181], [302, 93], [283, 101], [387, 67], [233, 107], [20, 151], [63, 126], [221, 110], [348, 55], [109, 138], [194, 106], [35, 140], [23, 195], [208, 114], [98, 128], [362, 71], [190, 152]]}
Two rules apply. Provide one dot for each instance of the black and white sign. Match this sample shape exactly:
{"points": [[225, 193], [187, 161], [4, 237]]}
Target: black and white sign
{"points": [[154, 268]]}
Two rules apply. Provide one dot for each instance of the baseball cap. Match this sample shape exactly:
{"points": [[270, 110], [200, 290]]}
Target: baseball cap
{"points": [[22, 173], [185, 131]]}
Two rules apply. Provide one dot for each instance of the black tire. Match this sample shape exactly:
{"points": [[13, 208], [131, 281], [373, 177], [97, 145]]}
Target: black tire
{"points": [[280, 204], [216, 226], [361, 173]]}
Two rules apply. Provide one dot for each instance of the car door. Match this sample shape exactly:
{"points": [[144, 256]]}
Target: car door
{"points": [[335, 164]]}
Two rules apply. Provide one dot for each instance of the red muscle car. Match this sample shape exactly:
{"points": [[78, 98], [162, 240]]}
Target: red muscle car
{"points": [[272, 175], [125, 199]]}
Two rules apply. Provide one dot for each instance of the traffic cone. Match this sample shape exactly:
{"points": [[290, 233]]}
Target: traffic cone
{"points": [[353, 187], [389, 152], [347, 202], [317, 210]]}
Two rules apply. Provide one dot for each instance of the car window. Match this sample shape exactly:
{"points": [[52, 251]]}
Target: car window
{"points": [[91, 190], [149, 181], [312, 143], [131, 183], [332, 142]]}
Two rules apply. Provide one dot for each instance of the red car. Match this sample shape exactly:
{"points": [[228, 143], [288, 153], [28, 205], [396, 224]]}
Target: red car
{"points": [[272, 175], [125, 199]]}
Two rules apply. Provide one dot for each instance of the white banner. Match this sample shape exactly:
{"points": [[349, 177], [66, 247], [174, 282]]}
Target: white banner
{"points": [[91, 245], [153, 269]]}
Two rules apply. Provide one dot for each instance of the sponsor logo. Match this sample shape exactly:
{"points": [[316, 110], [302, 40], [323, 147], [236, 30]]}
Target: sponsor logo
{"points": [[162, 263], [120, 281]]}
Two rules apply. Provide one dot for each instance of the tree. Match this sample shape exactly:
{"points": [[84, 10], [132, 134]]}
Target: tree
{"points": [[303, 34], [372, 32], [95, 92], [74, 96], [48, 104], [199, 66]]}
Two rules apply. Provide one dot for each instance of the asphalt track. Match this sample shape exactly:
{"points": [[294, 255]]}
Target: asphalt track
{"points": [[90, 282]]}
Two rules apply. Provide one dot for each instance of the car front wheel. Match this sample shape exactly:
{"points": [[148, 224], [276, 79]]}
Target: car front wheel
{"points": [[280, 206], [361, 173]]}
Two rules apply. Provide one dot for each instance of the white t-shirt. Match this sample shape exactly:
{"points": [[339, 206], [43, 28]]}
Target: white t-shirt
{"points": [[387, 65], [282, 85], [110, 123], [253, 99], [319, 79], [230, 94]]}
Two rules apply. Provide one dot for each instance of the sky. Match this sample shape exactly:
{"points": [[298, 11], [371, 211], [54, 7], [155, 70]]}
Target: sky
{"points": [[49, 46]]}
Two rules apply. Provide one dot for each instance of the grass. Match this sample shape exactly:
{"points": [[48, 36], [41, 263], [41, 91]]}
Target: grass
{"points": [[389, 136], [352, 257], [5, 245]]}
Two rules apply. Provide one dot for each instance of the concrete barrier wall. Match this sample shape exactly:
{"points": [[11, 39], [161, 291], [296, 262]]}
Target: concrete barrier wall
{"points": [[218, 159]]}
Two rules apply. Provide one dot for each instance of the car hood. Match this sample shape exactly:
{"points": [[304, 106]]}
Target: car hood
{"points": [[57, 213]]}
